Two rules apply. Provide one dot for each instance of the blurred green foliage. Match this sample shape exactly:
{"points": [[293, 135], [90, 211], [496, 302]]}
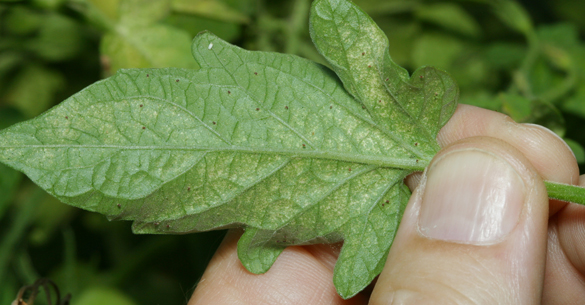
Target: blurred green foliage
{"points": [[524, 59]]}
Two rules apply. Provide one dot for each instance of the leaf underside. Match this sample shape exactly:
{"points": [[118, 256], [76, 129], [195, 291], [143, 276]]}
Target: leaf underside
{"points": [[265, 141]]}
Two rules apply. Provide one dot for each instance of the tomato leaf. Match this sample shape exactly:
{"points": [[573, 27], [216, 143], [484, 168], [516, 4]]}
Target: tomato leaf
{"points": [[269, 142]]}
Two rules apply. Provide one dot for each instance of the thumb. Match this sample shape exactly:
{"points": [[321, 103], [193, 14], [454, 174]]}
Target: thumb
{"points": [[474, 231]]}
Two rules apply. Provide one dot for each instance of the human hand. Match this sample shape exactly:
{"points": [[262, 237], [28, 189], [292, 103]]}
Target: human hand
{"points": [[474, 231]]}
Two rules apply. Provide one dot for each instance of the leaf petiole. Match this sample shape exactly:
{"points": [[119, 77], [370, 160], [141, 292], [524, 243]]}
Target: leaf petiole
{"points": [[565, 192]]}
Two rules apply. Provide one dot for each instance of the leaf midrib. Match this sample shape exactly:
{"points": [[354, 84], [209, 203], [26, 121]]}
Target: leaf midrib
{"points": [[382, 161]]}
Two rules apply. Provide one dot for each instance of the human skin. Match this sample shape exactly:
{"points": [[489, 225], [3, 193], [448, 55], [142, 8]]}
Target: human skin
{"points": [[536, 256]]}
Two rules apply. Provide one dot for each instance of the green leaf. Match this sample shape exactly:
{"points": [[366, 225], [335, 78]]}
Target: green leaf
{"points": [[139, 41], [157, 45], [513, 15], [59, 38], [255, 250], [265, 141], [449, 16], [213, 9], [22, 21], [109, 8], [34, 88], [135, 13], [563, 35], [318, 171]]}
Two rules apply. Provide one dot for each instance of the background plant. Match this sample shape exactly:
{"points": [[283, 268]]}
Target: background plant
{"points": [[528, 62]]}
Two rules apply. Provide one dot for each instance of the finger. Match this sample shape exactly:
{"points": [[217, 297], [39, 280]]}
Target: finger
{"points": [[474, 232], [565, 263], [549, 154], [301, 275]]}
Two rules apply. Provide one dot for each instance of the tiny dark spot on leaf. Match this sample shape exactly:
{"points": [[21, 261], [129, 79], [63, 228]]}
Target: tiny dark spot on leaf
{"points": [[363, 53], [369, 66], [177, 80], [379, 101], [147, 75], [350, 169], [286, 107], [214, 123], [229, 92], [421, 77], [387, 201], [67, 118], [257, 109], [119, 205], [417, 161], [255, 73], [141, 105], [330, 107], [188, 189], [383, 204], [436, 93], [387, 79], [415, 143], [363, 107], [143, 127], [168, 226], [156, 223], [304, 145]]}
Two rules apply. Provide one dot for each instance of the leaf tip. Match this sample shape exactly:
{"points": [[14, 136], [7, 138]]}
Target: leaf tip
{"points": [[203, 41]]}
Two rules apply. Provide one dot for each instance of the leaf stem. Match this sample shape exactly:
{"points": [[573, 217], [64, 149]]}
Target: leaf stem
{"points": [[565, 192]]}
